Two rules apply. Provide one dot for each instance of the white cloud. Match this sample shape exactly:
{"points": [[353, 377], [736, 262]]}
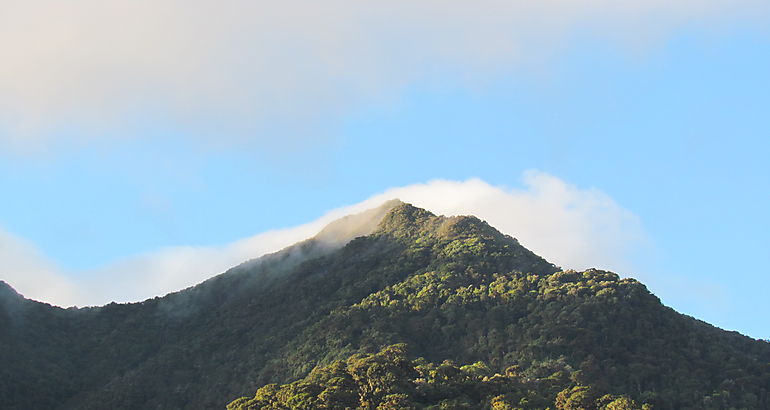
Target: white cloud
{"points": [[27, 270], [86, 67], [570, 226]]}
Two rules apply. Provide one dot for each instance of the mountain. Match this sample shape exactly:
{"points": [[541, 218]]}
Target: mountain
{"points": [[418, 310]]}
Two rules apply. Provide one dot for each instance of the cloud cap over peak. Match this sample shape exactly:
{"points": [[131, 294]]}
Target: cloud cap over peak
{"points": [[569, 226]]}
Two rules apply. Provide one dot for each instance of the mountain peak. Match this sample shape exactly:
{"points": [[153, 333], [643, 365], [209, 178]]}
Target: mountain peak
{"points": [[404, 218], [364, 223], [400, 219]]}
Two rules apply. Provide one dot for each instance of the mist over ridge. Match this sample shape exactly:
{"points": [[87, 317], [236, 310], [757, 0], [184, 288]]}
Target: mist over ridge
{"points": [[571, 226]]}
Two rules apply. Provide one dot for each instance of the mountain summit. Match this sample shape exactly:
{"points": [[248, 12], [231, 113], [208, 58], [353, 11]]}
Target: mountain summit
{"points": [[417, 310]]}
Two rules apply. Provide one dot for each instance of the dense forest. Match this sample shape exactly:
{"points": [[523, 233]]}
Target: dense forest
{"points": [[389, 380], [424, 311]]}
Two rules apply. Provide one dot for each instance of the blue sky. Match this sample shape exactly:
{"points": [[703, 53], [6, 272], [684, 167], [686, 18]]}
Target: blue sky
{"points": [[670, 122]]}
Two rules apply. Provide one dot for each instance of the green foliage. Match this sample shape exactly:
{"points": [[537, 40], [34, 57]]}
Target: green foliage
{"points": [[389, 380], [309, 325]]}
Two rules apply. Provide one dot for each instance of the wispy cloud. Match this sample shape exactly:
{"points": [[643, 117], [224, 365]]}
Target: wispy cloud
{"points": [[24, 267], [250, 68], [570, 226]]}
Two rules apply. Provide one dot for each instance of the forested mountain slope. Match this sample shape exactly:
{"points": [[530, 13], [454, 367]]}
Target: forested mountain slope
{"points": [[449, 288]]}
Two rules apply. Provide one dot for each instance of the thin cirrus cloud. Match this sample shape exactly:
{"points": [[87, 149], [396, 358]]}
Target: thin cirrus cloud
{"points": [[570, 226], [86, 67]]}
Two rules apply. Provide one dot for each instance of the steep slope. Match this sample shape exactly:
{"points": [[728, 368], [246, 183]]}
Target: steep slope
{"points": [[451, 288]]}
